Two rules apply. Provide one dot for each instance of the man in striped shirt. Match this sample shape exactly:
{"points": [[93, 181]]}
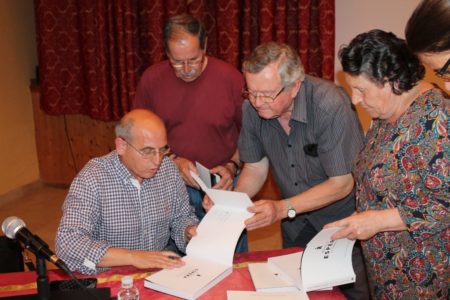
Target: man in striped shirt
{"points": [[305, 130]]}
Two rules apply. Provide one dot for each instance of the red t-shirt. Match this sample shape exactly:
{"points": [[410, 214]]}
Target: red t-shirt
{"points": [[203, 117]]}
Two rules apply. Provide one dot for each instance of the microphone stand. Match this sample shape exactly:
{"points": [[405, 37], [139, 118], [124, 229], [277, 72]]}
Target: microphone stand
{"points": [[43, 286]]}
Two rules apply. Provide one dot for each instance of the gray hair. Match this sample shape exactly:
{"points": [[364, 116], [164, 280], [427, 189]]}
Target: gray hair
{"points": [[184, 23], [290, 67], [123, 129]]}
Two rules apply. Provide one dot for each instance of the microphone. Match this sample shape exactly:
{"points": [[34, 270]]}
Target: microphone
{"points": [[14, 228]]}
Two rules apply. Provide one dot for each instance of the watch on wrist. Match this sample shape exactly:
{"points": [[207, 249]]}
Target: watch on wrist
{"points": [[235, 165], [291, 213]]}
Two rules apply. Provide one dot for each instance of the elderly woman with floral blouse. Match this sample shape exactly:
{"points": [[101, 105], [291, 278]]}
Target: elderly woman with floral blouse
{"points": [[402, 173]]}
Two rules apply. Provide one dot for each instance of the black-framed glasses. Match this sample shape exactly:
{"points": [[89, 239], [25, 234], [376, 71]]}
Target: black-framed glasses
{"points": [[149, 152], [190, 62], [444, 72], [246, 94]]}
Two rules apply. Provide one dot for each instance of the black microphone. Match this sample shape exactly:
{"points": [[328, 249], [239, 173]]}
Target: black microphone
{"points": [[14, 228]]}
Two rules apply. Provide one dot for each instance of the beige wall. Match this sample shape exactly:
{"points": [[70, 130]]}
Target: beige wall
{"points": [[18, 159], [357, 16]]}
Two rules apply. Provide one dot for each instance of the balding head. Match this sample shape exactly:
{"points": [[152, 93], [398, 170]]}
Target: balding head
{"points": [[138, 133], [138, 120]]}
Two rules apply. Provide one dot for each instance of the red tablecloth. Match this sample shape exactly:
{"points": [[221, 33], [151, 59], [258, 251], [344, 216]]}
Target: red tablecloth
{"points": [[25, 282]]}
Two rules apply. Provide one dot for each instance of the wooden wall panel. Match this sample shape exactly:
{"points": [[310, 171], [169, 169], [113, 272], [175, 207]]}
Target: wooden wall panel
{"points": [[65, 143]]}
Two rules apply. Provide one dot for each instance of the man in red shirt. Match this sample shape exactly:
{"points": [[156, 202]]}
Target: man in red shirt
{"points": [[199, 99]]}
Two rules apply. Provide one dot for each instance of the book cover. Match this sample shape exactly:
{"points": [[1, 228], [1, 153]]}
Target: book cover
{"points": [[326, 263], [189, 281], [321, 266], [289, 266], [266, 279]]}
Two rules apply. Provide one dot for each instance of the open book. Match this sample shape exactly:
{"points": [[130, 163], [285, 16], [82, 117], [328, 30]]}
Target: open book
{"points": [[210, 253], [326, 263], [323, 264]]}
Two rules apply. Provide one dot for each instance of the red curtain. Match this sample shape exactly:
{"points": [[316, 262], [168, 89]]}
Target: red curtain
{"points": [[92, 52]]}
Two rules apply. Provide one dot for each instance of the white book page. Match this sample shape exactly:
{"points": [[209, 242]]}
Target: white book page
{"points": [[220, 228], [327, 263], [249, 295], [205, 175], [288, 265], [266, 279], [200, 182], [236, 200], [217, 235]]}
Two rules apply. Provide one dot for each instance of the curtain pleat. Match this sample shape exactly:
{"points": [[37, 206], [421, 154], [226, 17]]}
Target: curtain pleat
{"points": [[92, 53]]}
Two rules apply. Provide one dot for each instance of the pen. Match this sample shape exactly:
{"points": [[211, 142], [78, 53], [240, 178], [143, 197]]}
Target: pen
{"points": [[173, 257]]}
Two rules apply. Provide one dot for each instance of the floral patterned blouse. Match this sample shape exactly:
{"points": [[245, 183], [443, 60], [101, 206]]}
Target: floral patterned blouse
{"points": [[405, 165]]}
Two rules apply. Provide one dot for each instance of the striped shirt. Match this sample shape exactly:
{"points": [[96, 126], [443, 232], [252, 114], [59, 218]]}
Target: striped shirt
{"points": [[324, 139], [107, 207]]}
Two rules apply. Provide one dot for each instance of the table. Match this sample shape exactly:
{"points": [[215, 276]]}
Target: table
{"points": [[25, 282]]}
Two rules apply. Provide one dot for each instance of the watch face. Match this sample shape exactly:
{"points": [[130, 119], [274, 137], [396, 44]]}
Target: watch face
{"points": [[291, 213]]}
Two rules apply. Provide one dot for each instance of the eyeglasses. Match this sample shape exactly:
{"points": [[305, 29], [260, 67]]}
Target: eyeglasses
{"points": [[246, 94], [443, 72], [149, 152], [191, 63]]}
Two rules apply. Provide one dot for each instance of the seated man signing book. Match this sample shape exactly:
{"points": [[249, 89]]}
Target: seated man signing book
{"points": [[123, 208]]}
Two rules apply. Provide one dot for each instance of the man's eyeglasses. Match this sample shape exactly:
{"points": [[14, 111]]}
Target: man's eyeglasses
{"points": [[191, 63], [246, 94], [444, 72], [149, 152]]}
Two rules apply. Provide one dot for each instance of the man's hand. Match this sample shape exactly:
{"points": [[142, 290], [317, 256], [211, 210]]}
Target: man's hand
{"points": [[227, 176], [185, 166], [190, 231], [207, 203], [155, 259], [266, 212]]}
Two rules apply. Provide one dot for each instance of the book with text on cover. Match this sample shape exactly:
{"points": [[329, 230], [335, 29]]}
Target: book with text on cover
{"points": [[210, 253], [322, 265], [327, 263]]}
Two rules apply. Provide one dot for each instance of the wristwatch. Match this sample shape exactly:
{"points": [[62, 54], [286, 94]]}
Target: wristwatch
{"points": [[237, 168], [291, 213]]}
